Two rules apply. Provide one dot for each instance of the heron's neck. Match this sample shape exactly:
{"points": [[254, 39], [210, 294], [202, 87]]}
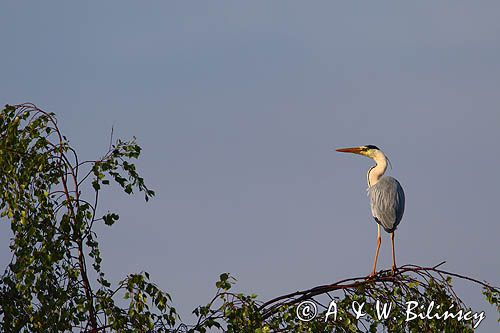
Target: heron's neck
{"points": [[377, 171]]}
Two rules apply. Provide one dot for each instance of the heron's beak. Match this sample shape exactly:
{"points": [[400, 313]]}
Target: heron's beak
{"points": [[354, 150]]}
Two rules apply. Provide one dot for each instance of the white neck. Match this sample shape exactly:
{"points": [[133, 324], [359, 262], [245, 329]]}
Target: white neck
{"points": [[377, 171]]}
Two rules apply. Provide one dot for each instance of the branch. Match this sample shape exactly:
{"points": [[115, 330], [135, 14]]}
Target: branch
{"points": [[385, 276]]}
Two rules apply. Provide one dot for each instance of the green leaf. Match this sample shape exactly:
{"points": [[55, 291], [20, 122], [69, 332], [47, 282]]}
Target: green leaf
{"points": [[110, 218]]}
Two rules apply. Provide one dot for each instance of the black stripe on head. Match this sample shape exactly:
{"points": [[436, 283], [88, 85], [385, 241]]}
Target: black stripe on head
{"points": [[372, 147]]}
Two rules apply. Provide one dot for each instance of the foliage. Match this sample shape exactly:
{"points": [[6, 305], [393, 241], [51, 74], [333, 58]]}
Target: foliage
{"points": [[356, 306], [47, 285], [55, 281]]}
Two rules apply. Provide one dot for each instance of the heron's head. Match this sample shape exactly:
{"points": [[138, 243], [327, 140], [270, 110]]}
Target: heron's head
{"points": [[368, 151]]}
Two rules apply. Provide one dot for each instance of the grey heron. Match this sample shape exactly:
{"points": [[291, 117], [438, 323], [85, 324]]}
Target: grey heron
{"points": [[387, 198]]}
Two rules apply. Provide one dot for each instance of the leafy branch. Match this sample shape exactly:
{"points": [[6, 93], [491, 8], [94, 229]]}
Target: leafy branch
{"points": [[41, 193], [232, 312]]}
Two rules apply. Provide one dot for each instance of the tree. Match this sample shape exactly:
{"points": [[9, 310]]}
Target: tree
{"points": [[50, 198]]}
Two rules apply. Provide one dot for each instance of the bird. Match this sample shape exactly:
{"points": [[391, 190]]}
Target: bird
{"points": [[387, 198]]}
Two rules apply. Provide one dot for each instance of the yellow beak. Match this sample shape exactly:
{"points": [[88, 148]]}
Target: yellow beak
{"points": [[354, 150]]}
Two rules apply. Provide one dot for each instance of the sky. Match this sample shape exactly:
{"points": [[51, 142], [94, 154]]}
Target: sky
{"points": [[239, 107]]}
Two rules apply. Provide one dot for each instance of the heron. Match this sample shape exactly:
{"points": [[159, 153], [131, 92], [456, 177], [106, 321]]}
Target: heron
{"points": [[387, 198]]}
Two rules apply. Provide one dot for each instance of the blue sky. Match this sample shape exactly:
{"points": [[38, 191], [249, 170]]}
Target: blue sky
{"points": [[239, 107]]}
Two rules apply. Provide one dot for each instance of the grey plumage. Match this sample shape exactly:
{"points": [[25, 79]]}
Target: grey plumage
{"points": [[387, 198], [387, 201]]}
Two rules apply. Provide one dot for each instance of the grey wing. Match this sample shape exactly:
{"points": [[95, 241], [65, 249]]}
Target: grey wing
{"points": [[387, 201]]}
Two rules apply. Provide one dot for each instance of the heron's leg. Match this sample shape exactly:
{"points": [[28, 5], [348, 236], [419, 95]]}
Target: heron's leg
{"points": [[393, 254], [376, 252]]}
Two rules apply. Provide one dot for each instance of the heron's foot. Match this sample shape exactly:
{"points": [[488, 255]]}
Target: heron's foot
{"points": [[394, 270], [372, 275]]}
